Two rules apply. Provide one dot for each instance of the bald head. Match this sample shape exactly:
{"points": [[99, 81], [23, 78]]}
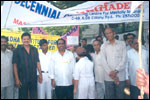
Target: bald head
{"points": [[109, 33], [80, 50], [110, 29]]}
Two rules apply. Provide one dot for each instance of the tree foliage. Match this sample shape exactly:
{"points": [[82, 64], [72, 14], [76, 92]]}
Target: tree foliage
{"points": [[2, 2], [65, 4], [62, 30], [25, 29], [125, 27]]}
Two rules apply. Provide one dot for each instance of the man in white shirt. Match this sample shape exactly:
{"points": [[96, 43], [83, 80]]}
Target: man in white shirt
{"points": [[113, 61], [44, 88], [7, 77], [147, 43], [130, 37], [62, 73], [147, 46], [133, 65], [98, 70]]}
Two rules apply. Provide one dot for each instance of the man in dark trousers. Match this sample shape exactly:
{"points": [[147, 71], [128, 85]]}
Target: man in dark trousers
{"points": [[26, 62], [62, 71]]}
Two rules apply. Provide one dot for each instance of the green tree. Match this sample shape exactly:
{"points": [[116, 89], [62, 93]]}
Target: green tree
{"points": [[63, 29], [2, 2], [29, 29], [65, 4], [59, 30]]}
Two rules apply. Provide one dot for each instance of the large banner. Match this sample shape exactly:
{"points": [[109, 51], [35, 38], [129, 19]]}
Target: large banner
{"points": [[41, 13], [15, 39]]}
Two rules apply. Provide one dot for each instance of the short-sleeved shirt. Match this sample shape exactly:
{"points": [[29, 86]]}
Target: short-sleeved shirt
{"points": [[26, 63]]}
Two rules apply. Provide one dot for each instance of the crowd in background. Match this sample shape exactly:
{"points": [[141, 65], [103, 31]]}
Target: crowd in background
{"points": [[101, 70]]}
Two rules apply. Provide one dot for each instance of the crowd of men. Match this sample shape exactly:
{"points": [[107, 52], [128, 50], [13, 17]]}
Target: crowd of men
{"points": [[98, 71]]}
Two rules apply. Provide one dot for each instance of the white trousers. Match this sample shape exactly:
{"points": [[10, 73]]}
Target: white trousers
{"points": [[45, 88], [86, 88], [7, 92], [16, 92]]}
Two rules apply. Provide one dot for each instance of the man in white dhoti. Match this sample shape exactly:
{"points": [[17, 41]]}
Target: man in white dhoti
{"points": [[44, 88], [84, 84]]}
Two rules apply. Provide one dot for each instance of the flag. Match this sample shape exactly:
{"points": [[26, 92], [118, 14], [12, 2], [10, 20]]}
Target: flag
{"points": [[72, 34], [134, 5], [38, 30]]}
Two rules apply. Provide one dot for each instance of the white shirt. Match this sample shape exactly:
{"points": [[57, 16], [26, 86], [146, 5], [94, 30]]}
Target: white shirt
{"points": [[133, 64], [7, 76], [98, 68], [75, 54], [63, 67], [147, 46], [83, 69], [45, 61], [114, 58], [128, 47]]}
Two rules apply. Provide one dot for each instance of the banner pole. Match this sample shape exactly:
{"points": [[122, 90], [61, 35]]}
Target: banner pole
{"points": [[140, 44], [8, 14]]}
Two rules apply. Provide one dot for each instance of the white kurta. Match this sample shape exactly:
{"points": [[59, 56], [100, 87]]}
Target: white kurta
{"points": [[84, 73], [99, 76], [133, 64], [44, 89]]}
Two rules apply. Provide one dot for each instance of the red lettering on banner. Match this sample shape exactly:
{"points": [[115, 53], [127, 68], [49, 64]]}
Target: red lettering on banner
{"points": [[98, 8], [18, 22], [112, 7], [126, 5], [109, 7], [139, 6], [90, 10], [119, 6]]}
